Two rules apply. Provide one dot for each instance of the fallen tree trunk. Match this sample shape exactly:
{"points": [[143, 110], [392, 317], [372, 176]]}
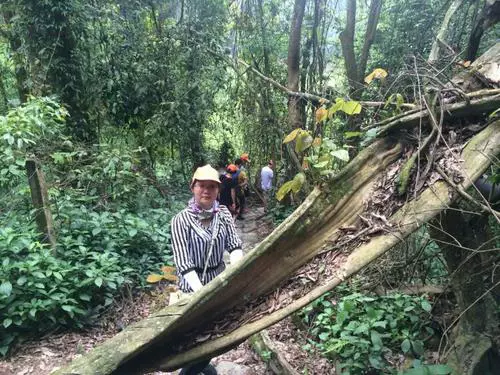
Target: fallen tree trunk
{"points": [[184, 333], [307, 232]]}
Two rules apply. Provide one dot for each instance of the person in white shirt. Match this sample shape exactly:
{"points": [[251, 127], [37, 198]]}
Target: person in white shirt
{"points": [[266, 182]]}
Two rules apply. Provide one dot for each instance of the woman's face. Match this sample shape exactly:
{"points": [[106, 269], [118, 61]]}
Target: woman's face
{"points": [[205, 193]]}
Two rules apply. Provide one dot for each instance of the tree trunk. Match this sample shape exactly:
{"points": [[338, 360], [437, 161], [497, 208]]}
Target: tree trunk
{"points": [[347, 43], [371, 29], [443, 31], [490, 15], [293, 62]]}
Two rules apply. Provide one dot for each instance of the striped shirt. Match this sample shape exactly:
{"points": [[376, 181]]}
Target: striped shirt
{"points": [[191, 244]]}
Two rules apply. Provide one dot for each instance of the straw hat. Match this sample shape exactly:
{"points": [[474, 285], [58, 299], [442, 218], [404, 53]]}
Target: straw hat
{"points": [[205, 173]]}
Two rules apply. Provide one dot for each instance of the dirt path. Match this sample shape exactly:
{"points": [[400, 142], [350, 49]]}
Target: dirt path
{"points": [[42, 355]]}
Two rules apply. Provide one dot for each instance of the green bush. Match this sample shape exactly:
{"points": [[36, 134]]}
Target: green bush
{"points": [[97, 254], [361, 332]]}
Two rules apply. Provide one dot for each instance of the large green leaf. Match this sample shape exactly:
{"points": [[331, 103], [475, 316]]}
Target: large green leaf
{"points": [[340, 154], [298, 181], [303, 142], [283, 190], [351, 107]]}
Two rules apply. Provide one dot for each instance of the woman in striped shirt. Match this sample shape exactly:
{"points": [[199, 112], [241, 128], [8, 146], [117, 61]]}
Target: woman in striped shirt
{"points": [[202, 232], [200, 235]]}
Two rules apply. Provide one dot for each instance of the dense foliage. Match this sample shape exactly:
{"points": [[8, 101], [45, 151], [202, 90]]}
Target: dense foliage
{"points": [[117, 101]]}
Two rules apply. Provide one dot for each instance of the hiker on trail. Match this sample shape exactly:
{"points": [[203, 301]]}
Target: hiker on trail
{"points": [[241, 185], [227, 195], [266, 182], [201, 233]]}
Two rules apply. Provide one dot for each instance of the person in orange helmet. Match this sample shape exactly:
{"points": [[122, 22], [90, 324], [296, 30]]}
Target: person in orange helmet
{"points": [[227, 195]]}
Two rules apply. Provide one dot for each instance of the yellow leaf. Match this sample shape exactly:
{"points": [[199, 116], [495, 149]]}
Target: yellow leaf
{"points": [[377, 73], [170, 277], [321, 114], [290, 137], [168, 269], [466, 63], [283, 190], [305, 164], [317, 142], [351, 107], [154, 278]]}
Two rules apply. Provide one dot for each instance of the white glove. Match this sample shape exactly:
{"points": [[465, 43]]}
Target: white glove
{"points": [[235, 256], [193, 280]]}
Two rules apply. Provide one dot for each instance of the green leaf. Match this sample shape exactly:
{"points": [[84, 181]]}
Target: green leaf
{"points": [[85, 297], [340, 154], [418, 347], [351, 107], [96, 231], [67, 308], [132, 232], [440, 369], [98, 282], [348, 135], [6, 288], [376, 339], [426, 305], [7, 322], [22, 280], [303, 142], [298, 181], [284, 190], [321, 164], [406, 346]]}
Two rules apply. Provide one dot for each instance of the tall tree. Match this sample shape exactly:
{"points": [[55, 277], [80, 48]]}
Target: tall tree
{"points": [[293, 62], [355, 68]]}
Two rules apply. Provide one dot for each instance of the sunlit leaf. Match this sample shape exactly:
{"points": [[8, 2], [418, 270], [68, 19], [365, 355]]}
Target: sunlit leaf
{"points": [[284, 190], [321, 114], [339, 103], [348, 135], [303, 141], [168, 269], [290, 137], [317, 142], [351, 107], [154, 278], [378, 73], [321, 164], [170, 277], [298, 181], [340, 154]]}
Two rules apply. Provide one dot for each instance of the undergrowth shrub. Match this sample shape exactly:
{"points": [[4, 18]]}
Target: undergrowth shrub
{"points": [[97, 255], [362, 332]]}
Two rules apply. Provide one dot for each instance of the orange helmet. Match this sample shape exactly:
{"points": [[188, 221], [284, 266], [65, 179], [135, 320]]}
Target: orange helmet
{"points": [[244, 157], [231, 168]]}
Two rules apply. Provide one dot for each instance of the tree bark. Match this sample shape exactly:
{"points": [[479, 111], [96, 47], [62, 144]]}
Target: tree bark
{"points": [[293, 62], [40, 200]]}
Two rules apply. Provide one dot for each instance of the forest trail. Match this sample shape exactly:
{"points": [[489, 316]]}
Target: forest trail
{"points": [[43, 355]]}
